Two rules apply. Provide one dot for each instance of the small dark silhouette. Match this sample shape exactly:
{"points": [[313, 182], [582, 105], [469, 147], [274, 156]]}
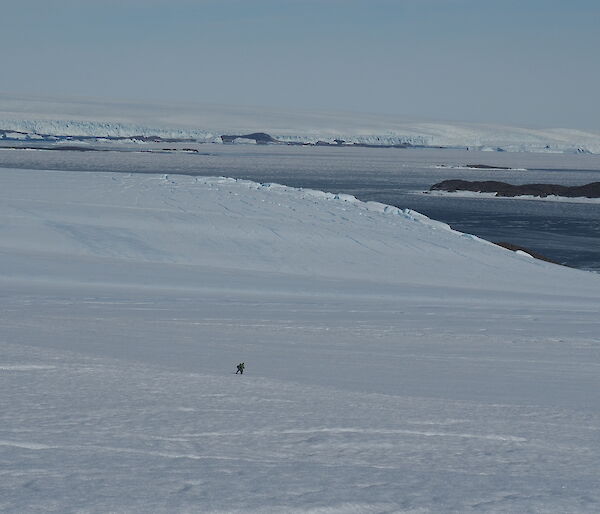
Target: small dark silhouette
{"points": [[240, 368]]}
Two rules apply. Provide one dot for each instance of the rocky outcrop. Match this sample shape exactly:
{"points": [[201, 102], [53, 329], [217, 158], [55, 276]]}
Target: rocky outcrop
{"points": [[591, 190], [260, 138], [486, 167], [515, 248]]}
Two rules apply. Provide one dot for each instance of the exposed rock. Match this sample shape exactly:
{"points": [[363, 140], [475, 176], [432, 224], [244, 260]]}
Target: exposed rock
{"points": [[591, 190], [487, 167], [261, 138], [515, 248]]}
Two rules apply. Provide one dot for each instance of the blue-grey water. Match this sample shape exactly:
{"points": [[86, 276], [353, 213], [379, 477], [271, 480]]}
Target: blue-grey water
{"points": [[567, 232]]}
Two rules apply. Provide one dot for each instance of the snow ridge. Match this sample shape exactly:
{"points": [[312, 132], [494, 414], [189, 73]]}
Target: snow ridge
{"points": [[379, 207]]}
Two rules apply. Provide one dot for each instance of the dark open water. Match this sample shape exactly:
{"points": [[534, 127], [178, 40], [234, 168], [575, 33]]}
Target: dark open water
{"points": [[566, 232]]}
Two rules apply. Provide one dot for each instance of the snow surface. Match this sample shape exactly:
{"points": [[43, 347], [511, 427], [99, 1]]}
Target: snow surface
{"points": [[393, 364], [206, 123]]}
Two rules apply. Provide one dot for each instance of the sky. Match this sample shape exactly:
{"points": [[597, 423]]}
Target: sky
{"points": [[533, 63]]}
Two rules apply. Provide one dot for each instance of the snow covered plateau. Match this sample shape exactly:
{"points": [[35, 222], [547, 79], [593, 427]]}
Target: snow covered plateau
{"points": [[32, 119], [392, 364]]}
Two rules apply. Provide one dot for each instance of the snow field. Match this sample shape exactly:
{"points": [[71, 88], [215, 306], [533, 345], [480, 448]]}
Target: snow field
{"points": [[393, 365], [93, 435]]}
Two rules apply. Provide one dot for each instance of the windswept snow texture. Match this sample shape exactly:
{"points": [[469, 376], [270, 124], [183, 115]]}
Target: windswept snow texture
{"points": [[392, 364], [29, 117]]}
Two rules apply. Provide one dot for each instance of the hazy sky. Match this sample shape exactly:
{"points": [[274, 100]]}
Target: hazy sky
{"points": [[522, 62]]}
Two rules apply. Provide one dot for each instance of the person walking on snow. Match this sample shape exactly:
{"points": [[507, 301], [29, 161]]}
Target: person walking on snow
{"points": [[240, 368]]}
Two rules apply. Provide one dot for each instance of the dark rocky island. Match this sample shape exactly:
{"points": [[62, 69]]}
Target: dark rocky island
{"points": [[487, 167], [591, 190], [478, 167]]}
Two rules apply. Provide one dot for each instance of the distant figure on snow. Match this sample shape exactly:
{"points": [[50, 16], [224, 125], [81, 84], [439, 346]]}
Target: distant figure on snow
{"points": [[240, 368]]}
